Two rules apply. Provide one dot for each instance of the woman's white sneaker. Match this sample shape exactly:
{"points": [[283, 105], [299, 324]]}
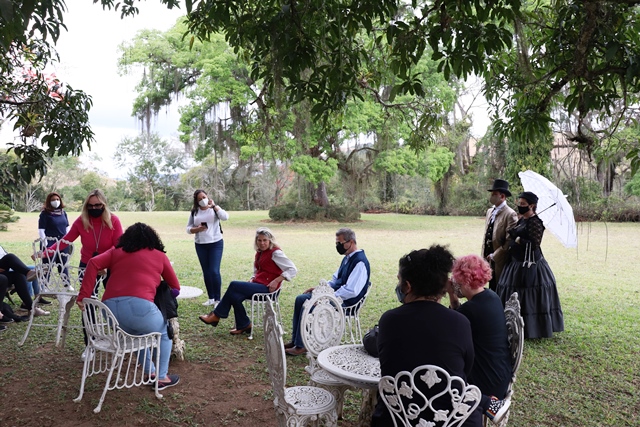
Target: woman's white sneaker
{"points": [[210, 302]]}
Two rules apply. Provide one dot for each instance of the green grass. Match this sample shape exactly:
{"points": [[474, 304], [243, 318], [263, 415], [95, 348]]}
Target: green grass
{"points": [[585, 376]]}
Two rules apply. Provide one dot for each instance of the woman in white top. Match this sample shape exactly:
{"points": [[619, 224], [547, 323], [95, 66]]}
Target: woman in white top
{"points": [[204, 222]]}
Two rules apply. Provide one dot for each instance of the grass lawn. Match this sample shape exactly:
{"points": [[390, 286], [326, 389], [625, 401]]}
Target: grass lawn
{"points": [[589, 375]]}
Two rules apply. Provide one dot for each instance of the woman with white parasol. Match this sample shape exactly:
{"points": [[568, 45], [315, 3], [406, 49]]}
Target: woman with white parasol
{"points": [[529, 274]]}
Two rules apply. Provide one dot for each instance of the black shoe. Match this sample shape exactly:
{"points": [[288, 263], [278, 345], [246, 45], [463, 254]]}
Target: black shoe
{"points": [[21, 318], [3, 328], [43, 301], [6, 320]]}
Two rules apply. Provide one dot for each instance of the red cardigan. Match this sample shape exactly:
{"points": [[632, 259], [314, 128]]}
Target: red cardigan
{"points": [[135, 274], [265, 270]]}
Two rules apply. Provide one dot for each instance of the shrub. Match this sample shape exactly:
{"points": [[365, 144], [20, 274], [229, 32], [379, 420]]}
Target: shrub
{"points": [[310, 212]]}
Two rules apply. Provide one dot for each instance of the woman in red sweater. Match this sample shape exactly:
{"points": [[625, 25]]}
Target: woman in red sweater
{"points": [[138, 264], [270, 268], [98, 229]]}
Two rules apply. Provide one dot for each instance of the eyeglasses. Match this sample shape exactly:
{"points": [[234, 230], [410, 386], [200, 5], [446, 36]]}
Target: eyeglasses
{"points": [[96, 206]]}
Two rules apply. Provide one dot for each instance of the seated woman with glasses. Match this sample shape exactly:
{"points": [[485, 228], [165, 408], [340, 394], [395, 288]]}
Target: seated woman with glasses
{"points": [[270, 267], [422, 331]]}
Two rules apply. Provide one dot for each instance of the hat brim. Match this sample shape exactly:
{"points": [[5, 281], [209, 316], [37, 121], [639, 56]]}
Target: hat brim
{"points": [[502, 190]]}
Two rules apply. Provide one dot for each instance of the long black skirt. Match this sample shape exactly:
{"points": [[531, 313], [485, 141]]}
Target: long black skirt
{"points": [[539, 302]]}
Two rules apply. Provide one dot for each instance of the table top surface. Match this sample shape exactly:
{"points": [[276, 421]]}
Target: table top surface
{"points": [[351, 363]]}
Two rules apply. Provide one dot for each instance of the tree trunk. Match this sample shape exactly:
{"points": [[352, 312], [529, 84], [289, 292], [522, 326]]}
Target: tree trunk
{"points": [[319, 194]]}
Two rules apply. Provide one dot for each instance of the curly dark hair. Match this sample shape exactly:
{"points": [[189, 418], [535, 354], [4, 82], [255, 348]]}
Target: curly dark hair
{"points": [[427, 270], [140, 236]]}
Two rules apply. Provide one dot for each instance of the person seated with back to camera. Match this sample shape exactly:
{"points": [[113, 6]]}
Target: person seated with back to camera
{"points": [[14, 272], [138, 264], [350, 282], [492, 369], [421, 331], [270, 268]]}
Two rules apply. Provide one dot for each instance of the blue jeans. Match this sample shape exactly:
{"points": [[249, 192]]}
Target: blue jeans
{"points": [[138, 316], [210, 255], [296, 336], [233, 297]]}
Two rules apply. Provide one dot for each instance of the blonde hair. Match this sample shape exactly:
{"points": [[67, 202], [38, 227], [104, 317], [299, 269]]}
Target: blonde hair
{"points": [[106, 214], [264, 231]]}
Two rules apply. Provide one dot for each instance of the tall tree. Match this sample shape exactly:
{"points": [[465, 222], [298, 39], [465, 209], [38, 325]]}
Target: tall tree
{"points": [[148, 158]]}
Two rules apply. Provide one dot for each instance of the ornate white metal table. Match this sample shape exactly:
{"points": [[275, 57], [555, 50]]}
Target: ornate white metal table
{"points": [[354, 366]]}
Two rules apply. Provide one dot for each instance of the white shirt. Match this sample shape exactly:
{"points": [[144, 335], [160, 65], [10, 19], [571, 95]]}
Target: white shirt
{"points": [[356, 281], [212, 233]]}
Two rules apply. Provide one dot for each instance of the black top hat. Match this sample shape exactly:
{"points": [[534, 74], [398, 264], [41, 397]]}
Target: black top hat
{"points": [[529, 197], [502, 186]]}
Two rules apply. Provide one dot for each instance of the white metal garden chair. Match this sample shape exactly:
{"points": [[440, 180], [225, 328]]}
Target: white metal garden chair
{"points": [[352, 330], [322, 326], [58, 281], [428, 396], [116, 352], [258, 302], [295, 406], [515, 330]]}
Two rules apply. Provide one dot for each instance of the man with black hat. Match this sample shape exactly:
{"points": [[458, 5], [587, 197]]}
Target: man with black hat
{"points": [[498, 220]]}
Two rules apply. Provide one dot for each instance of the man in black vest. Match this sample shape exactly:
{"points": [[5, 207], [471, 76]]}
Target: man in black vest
{"points": [[350, 283], [498, 220]]}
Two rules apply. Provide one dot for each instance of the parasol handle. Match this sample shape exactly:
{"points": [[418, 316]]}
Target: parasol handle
{"points": [[538, 213]]}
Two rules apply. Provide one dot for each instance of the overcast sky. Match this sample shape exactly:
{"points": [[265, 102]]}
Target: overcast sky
{"points": [[88, 61]]}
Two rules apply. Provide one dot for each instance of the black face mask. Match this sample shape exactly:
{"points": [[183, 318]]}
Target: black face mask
{"points": [[96, 213], [523, 209], [340, 248]]}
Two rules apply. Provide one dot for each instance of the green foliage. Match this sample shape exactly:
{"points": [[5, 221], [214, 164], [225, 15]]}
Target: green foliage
{"points": [[632, 187], [311, 212], [313, 169], [6, 216], [574, 65], [438, 162]]}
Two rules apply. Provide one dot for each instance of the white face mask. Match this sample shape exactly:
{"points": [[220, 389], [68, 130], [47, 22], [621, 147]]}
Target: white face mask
{"points": [[204, 202], [55, 204]]}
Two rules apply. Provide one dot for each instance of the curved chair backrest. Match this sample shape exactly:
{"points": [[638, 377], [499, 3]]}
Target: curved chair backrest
{"points": [[322, 321], [52, 269], [515, 330], [274, 348], [428, 396], [100, 324]]}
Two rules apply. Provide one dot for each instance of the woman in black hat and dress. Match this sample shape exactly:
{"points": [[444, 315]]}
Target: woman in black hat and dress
{"points": [[529, 274]]}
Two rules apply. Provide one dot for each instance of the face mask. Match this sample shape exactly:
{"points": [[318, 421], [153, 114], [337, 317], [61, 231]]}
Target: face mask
{"points": [[204, 202], [401, 295], [96, 213], [55, 204], [523, 209], [340, 248]]}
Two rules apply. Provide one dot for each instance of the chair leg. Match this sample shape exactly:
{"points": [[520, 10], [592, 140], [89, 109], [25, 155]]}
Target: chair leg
{"points": [[85, 373], [26, 332], [250, 337], [114, 365]]}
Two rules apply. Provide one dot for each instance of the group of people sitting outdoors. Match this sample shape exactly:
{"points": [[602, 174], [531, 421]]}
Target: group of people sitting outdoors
{"points": [[470, 340]]}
